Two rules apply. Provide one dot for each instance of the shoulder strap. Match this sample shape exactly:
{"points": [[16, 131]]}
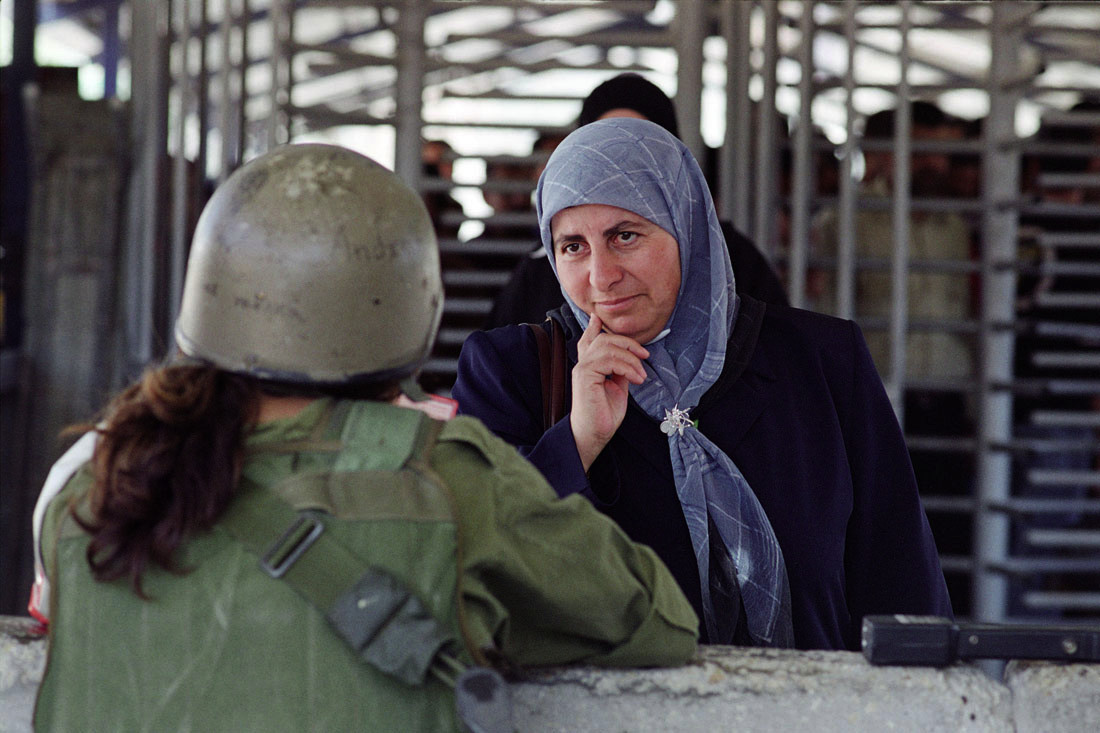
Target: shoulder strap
{"points": [[382, 622], [552, 369], [294, 547]]}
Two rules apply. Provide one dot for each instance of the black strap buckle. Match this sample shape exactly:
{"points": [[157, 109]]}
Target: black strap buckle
{"points": [[286, 550]]}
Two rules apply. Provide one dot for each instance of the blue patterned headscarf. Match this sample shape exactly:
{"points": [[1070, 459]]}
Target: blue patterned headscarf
{"points": [[636, 165]]}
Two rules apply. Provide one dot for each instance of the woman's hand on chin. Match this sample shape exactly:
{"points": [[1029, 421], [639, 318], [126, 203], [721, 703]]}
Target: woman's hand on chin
{"points": [[607, 364]]}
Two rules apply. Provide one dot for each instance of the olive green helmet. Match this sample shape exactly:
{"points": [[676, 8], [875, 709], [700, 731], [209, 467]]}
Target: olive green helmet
{"points": [[312, 264]]}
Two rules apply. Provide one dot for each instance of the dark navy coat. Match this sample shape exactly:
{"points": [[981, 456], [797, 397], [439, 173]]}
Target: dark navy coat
{"points": [[802, 412]]}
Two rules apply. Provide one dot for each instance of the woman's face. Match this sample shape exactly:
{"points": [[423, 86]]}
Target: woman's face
{"points": [[619, 266]]}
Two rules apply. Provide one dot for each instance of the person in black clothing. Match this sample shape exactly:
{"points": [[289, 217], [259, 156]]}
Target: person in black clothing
{"points": [[437, 159], [532, 290]]}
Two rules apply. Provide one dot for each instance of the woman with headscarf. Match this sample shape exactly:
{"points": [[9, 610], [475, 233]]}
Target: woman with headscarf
{"points": [[752, 446]]}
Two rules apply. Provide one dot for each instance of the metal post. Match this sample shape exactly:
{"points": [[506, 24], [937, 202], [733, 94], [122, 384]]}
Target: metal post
{"points": [[1000, 185], [410, 90], [17, 170], [245, 23], [802, 188], [112, 49], [691, 27], [202, 107], [149, 127], [291, 49], [766, 154], [280, 60], [902, 201], [226, 137], [737, 151], [180, 189], [846, 195], [24, 19]]}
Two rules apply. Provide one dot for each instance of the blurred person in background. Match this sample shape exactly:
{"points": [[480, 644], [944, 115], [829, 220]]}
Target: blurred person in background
{"points": [[473, 270], [437, 160]]}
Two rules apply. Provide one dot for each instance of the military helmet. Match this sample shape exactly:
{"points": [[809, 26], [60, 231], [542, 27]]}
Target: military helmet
{"points": [[312, 264]]}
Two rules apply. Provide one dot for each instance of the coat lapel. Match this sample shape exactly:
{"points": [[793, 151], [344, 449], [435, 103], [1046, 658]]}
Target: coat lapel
{"points": [[728, 419], [739, 396]]}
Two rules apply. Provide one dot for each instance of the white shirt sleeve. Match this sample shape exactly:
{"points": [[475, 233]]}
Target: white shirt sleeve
{"points": [[63, 470]]}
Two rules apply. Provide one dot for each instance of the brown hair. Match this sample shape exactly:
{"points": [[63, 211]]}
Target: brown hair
{"points": [[166, 466], [168, 459]]}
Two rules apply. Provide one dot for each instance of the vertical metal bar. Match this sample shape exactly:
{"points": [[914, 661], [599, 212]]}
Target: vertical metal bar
{"points": [[19, 404], [902, 201], [242, 81], [737, 150], [112, 48], [162, 334], [727, 25], [802, 174], [846, 203], [291, 50], [150, 132], [279, 49], [410, 90], [202, 103], [180, 188], [225, 93], [17, 171], [1000, 185], [766, 154], [691, 29], [24, 19]]}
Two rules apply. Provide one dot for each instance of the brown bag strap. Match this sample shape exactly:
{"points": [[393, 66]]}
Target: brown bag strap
{"points": [[559, 366], [543, 342], [552, 368]]}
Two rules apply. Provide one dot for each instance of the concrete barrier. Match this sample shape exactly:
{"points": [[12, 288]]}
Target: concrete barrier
{"points": [[1054, 697], [22, 661], [728, 688]]}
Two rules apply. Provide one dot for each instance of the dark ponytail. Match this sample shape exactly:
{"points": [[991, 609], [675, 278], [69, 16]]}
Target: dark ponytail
{"points": [[166, 466]]}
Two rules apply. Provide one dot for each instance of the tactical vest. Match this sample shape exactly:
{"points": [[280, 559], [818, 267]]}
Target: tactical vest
{"points": [[229, 647]]}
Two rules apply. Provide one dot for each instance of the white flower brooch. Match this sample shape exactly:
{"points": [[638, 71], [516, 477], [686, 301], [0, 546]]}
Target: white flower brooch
{"points": [[675, 421]]}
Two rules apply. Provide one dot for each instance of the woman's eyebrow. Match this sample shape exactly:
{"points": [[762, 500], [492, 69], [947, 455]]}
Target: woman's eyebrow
{"points": [[623, 224], [565, 238], [611, 230]]}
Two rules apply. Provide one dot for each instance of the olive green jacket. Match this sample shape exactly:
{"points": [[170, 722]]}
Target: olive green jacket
{"points": [[454, 513]]}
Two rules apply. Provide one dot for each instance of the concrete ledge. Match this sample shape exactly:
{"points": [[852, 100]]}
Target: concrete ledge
{"points": [[729, 688], [22, 662], [1054, 697]]}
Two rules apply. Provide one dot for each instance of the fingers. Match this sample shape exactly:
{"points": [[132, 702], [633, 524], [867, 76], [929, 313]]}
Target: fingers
{"points": [[609, 354], [618, 363], [596, 330], [595, 325], [605, 359], [606, 365], [597, 411]]}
